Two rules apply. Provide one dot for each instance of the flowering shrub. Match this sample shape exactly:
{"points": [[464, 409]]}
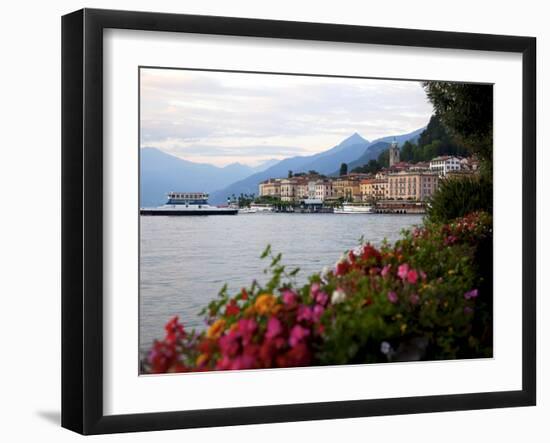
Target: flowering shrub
{"points": [[428, 296]]}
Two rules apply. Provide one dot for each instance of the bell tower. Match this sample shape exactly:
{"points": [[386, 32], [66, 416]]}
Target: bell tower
{"points": [[394, 153]]}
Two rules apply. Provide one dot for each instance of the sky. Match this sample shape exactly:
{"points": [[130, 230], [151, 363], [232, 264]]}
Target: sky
{"points": [[221, 118]]}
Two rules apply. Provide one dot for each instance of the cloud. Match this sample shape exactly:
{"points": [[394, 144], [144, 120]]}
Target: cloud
{"points": [[244, 117]]}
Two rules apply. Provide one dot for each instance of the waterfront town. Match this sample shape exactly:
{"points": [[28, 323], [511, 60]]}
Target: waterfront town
{"points": [[400, 188]]}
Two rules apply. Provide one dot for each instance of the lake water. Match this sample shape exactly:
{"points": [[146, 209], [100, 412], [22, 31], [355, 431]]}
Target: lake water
{"points": [[185, 261]]}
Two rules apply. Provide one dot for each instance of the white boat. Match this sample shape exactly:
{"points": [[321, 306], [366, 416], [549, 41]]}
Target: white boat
{"points": [[188, 203], [261, 207], [354, 208], [247, 210]]}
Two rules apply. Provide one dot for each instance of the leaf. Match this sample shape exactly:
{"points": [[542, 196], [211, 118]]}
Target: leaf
{"points": [[266, 252]]}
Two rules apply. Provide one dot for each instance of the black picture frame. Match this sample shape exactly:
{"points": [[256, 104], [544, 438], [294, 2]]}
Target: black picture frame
{"points": [[82, 218]]}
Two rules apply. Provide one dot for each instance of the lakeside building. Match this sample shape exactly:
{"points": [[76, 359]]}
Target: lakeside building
{"points": [[324, 190], [348, 187], [270, 188], [402, 181], [288, 190], [374, 189], [469, 164], [302, 189], [444, 164], [411, 185]]}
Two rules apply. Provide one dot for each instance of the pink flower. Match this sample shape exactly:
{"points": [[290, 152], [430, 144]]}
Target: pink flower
{"points": [[247, 327], [423, 275], [471, 294], [229, 344], [297, 334], [304, 313], [274, 327], [385, 270], [289, 297], [322, 298], [412, 276], [468, 310], [402, 271], [392, 297], [243, 362], [317, 313], [315, 288]]}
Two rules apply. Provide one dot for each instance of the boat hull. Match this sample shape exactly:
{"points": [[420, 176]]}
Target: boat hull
{"points": [[180, 212], [353, 211]]}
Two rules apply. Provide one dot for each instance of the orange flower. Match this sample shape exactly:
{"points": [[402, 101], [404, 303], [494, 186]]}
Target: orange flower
{"points": [[249, 312], [202, 359], [216, 329], [265, 304]]}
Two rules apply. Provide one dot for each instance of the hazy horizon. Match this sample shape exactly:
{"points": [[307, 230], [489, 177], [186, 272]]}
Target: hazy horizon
{"points": [[221, 118]]}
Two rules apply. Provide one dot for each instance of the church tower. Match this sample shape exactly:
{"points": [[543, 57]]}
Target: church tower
{"points": [[394, 153]]}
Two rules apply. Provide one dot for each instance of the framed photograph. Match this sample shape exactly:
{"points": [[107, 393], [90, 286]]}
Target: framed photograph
{"points": [[268, 221]]}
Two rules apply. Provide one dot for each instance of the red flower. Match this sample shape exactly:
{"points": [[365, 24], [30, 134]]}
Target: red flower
{"points": [[232, 308]]}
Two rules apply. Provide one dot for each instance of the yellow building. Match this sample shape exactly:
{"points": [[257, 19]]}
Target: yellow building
{"points": [[347, 187], [288, 190], [418, 186], [374, 189], [270, 188]]}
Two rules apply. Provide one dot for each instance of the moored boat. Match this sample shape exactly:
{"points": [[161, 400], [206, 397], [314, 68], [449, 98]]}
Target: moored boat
{"points": [[188, 203], [247, 210], [354, 208], [261, 207]]}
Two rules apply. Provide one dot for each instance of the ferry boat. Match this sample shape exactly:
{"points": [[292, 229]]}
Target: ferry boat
{"points": [[188, 203], [354, 208]]}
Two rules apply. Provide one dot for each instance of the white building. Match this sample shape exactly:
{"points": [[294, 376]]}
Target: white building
{"points": [[311, 189], [444, 164]]}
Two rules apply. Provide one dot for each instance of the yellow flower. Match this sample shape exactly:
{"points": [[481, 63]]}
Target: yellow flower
{"points": [[451, 272], [403, 328], [265, 303], [201, 359], [216, 329]]}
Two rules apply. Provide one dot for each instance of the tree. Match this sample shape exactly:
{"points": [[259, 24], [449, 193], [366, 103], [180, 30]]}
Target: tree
{"points": [[466, 110], [384, 158], [290, 174], [343, 169], [372, 167], [407, 152]]}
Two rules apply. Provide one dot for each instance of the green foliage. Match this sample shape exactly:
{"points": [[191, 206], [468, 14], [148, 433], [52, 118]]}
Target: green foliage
{"points": [[245, 200], [430, 317], [466, 110], [343, 169], [434, 141], [372, 167], [384, 158], [459, 196]]}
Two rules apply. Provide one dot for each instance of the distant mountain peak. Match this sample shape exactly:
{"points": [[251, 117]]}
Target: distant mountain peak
{"points": [[353, 139]]}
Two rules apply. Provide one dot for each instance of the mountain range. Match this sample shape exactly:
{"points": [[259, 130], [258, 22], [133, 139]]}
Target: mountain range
{"points": [[162, 172]]}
